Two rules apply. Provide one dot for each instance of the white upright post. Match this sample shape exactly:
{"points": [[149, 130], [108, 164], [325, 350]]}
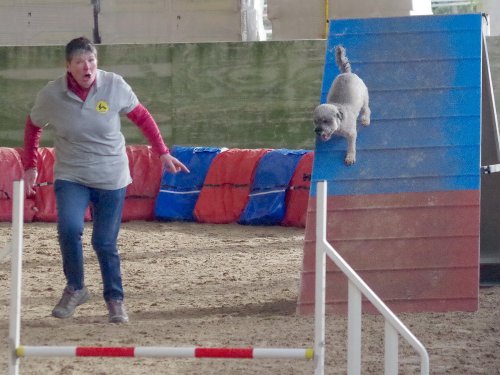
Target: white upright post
{"points": [[16, 276], [320, 281], [391, 350], [354, 310], [488, 86]]}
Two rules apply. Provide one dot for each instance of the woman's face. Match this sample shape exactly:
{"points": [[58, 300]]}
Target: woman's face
{"points": [[83, 67]]}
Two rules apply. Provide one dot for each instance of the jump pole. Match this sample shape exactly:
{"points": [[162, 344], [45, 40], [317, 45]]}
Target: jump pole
{"points": [[320, 280], [17, 351], [164, 352]]}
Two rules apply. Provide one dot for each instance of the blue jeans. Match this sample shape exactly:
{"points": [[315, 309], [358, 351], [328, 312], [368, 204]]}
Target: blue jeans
{"points": [[106, 207]]}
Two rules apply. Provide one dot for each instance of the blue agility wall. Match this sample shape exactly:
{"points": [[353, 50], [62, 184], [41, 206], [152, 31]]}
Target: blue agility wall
{"points": [[423, 75], [406, 215]]}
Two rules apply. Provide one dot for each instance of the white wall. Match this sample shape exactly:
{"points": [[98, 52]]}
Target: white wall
{"points": [[306, 19], [34, 22], [296, 19], [155, 21], [44, 22], [378, 8]]}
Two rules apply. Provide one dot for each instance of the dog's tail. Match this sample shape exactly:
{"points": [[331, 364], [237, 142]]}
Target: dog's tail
{"points": [[342, 60]]}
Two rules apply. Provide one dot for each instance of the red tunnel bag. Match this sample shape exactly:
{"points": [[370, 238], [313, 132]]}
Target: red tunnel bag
{"points": [[145, 169], [45, 198], [228, 182], [12, 170]]}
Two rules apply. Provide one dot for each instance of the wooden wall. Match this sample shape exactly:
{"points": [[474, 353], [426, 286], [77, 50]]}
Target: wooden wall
{"points": [[247, 95]]}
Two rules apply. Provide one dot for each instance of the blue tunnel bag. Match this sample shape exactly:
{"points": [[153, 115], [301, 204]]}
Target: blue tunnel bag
{"points": [[179, 192], [266, 204]]}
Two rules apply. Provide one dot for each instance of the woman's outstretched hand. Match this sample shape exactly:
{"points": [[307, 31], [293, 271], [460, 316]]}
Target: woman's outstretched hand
{"points": [[172, 164], [29, 178]]}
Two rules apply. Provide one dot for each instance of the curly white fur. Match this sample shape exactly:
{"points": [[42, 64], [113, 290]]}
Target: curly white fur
{"points": [[347, 99]]}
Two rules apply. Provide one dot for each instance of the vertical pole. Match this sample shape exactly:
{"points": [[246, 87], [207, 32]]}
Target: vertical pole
{"points": [[244, 20], [488, 86], [16, 276], [327, 22], [391, 350], [320, 282], [354, 308]]}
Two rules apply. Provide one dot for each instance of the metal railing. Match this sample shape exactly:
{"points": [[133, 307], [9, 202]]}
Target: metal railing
{"points": [[356, 289]]}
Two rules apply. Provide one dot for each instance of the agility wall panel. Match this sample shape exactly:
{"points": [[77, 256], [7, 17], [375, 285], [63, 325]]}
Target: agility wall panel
{"points": [[179, 192], [406, 215], [266, 204]]}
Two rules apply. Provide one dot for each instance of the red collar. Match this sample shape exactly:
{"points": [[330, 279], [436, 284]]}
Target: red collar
{"points": [[76, 88]]}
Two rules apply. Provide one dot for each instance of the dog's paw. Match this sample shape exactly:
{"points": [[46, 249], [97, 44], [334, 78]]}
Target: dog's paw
{"points": [[365, 120], [350, 159]]}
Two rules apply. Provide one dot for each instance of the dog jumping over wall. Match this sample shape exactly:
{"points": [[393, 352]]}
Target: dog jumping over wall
{"points": [[347, 99]]}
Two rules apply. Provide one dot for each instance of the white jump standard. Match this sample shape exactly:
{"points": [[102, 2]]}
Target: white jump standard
{"points": [[357, 288], [17, 351]]}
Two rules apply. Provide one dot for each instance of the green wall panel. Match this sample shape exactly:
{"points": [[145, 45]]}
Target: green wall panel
{"points": [[245, 95]]}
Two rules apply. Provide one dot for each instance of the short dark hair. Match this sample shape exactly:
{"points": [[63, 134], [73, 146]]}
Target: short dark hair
{"points": [[79, 45]]}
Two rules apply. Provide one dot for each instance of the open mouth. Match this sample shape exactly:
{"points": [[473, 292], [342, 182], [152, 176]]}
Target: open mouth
{"points": [[325, 137]]}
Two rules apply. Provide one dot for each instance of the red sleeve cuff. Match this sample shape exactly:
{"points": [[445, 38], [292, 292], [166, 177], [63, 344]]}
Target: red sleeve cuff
{"points": [[32, 134]]}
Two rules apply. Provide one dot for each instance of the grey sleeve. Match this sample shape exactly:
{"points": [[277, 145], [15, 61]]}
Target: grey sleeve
{"points": [[128, 99], [41, 109]]}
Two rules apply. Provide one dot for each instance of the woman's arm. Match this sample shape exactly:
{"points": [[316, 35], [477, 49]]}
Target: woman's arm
{"points": [[32, 134], [141, 117]]}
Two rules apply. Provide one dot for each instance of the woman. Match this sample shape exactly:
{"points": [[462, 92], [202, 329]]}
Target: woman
{"points": [[84, 108]]}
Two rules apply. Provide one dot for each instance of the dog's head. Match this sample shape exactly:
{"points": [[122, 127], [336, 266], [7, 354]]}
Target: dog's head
{"points": [[327, 119]]}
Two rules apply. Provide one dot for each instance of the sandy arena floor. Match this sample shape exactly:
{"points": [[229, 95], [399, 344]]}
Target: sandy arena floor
{"points": [[191, 284]]}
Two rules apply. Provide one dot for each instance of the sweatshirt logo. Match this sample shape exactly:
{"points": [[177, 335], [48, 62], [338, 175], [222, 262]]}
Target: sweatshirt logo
{"points": [[102, 107]]}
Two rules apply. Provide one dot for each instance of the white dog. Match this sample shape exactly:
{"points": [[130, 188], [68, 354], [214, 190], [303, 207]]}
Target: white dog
{"points": [[346, 100]]}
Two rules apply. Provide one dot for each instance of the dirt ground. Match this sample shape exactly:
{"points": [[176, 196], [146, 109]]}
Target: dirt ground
{"points": [[190, 284]]}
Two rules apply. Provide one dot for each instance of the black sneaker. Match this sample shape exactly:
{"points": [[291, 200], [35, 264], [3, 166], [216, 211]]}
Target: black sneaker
{"points": [[69, 301], [117, 311]]}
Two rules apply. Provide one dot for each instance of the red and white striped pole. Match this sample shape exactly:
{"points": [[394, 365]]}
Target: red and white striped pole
{"points": [[164, 352]]}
